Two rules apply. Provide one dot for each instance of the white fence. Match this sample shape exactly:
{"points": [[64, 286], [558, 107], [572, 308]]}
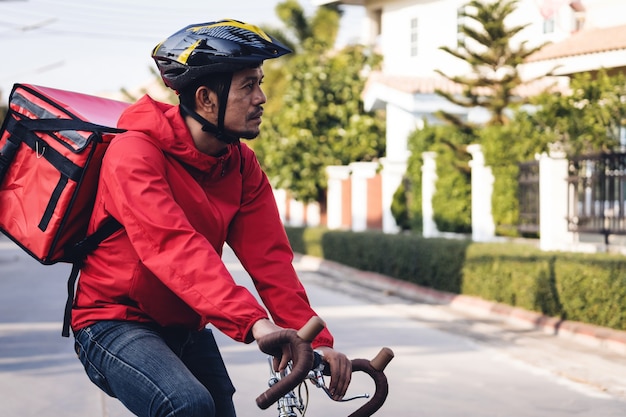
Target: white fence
{"points": [[553, 204]]}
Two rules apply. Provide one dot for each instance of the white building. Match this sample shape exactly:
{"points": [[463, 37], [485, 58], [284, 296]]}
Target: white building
{"points": [[586, 35]]}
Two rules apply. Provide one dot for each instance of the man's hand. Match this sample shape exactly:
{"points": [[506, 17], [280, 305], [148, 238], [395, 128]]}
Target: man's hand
{"points": [[264, 327], [340, 371]]}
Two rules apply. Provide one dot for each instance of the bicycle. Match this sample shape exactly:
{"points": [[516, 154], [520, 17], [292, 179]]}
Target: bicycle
{"points": [[308, 365]]}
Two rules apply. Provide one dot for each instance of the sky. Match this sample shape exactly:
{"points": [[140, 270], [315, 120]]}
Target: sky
{"points": [[100, 46]]}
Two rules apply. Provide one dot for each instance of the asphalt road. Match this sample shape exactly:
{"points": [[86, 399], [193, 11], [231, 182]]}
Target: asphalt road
{"points": [[448, 363]]}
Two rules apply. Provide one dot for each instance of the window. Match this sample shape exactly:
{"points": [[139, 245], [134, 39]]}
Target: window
{"points": [[578, 14], [548, 25], [414, 37], [579, 22]]}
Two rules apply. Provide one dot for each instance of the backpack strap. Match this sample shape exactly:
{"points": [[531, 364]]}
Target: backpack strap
{"points": [[77, 254]]}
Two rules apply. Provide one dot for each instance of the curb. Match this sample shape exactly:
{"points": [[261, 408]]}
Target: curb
{"points": [[587, 334]]}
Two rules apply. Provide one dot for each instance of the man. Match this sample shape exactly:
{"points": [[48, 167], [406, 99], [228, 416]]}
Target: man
{"points": [[182, 185]]}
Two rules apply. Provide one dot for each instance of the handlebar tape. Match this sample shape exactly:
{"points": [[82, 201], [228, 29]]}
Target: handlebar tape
{"points": [[301, 353], [380, 393]]}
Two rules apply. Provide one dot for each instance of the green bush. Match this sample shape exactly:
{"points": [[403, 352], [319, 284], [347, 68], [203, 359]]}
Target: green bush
{"points": [[589, 288], [434, 263], [593, 289], [306, 240], [400, 207], [513, 274], [452, 199]]}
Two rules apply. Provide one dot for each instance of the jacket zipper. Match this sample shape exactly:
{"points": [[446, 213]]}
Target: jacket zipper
{"points": [[223, 167]]}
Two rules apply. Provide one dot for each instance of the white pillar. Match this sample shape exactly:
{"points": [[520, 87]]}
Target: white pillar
{"points": [[334, 204], [361, 172], [483, 226], [392, 175], [281, 201], [553, 226], [313, 214], [296, 213], [429, 179]]}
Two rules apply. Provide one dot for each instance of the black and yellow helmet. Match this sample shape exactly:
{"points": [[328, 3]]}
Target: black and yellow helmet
{"points": [[222, 46]]}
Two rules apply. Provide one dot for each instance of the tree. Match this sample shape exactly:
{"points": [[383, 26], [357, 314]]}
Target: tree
{"points": [[587, 119], [320, 121], [494, 62], [491, 83], [452, 206], [314, 116]]}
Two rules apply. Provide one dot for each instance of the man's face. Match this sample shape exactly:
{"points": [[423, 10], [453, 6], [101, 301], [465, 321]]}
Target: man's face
{"points": [[245, 100]]}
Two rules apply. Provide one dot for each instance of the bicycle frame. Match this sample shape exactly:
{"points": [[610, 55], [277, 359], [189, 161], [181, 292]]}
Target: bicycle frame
{"points": [[306, 365]]}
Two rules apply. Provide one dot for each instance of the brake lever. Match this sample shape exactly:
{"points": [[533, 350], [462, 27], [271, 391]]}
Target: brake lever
{"points": [[316, 377]]}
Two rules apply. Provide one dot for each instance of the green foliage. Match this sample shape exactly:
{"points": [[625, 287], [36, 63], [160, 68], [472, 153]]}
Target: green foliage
{"points": [[494, 62], [418, 142], [306, 34], [452, 199], [320, 121], [523, 277], [306, 240], [593, 289], [400, 207], [435, 263], [589, 288], [490, 84], [587, 119], [452, 202], [504, 147]]}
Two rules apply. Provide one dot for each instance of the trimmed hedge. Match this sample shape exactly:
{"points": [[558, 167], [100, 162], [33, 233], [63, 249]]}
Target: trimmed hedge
{"points": [[589, 288], [403, 256]]}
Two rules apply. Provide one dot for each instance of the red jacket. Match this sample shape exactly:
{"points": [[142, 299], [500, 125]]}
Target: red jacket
{"points": [[178, 207]]}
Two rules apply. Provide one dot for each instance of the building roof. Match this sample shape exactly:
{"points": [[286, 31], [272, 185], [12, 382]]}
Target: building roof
{"points": [[588, 41], [428, 85]]}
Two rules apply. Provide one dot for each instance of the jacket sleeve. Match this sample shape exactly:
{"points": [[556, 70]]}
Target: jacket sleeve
{"points": [[167, 244], [258, 237]]}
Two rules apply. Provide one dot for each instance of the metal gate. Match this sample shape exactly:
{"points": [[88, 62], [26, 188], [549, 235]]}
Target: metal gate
{"points": [[597, 194], [528, 197]]}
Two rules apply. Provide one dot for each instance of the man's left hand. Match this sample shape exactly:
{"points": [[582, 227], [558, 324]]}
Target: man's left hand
{"points": [[340, 371]]}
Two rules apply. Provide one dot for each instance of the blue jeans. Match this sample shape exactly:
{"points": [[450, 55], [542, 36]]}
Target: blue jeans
{"points": [[157, 371]]}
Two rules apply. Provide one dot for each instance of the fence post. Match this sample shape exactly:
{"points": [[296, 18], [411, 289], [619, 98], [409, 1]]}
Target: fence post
{"points": [[361, 172], [429, 179], [392, 175], [336, 196], [280, 196], [483, 226], [553, 226], [296, 213]]}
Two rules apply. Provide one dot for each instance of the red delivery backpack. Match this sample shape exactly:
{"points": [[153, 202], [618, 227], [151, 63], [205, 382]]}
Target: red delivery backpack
{"points": [[51, 147]]}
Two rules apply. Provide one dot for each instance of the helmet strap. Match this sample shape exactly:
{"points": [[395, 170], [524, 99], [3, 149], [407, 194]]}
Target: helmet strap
{"points": [[219, 131], [223, 101]]}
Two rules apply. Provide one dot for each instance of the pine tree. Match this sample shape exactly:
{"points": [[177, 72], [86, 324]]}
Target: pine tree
{"points": [[494, 62], [489, 48]]}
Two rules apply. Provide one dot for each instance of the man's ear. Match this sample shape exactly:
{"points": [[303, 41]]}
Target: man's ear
{"points": [[206, 102]]}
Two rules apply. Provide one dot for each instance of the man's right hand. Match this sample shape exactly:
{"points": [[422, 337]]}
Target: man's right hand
{"points": [[264, 327]]}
